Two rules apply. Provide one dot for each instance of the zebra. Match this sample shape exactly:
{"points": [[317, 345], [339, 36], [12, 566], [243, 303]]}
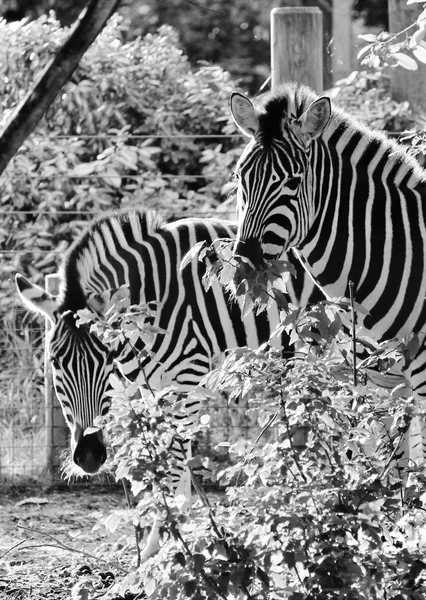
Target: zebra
{"points": [[137, 248], [349, 201]]}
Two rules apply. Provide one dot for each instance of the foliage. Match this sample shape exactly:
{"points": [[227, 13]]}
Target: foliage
{"points": [[318, 507], [406, 49], [84, 157], [121, 133], [366, 95], [403, 49]]}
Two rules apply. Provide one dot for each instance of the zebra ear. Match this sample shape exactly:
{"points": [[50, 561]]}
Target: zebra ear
{"points": [[244, 114], [36, 298], [315, 119]]}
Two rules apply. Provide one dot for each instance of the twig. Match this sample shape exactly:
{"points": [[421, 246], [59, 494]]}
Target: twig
{"points": [[12, 548], [351, 298], [290, 438], [136, 526], [59, 544]]}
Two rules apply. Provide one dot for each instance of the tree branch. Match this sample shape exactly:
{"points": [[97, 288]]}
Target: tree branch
{"points": [[59, 69]]}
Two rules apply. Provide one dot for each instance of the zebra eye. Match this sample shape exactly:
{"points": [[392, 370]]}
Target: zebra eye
{"points": [[55, 362], [293, 183], [233, 176]]}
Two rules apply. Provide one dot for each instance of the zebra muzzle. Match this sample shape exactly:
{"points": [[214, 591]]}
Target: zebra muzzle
{"points": [[90, 452]]}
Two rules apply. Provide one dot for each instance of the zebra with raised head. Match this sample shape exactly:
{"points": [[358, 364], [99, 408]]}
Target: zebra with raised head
{"points": [[349, 200], [136, 248]]}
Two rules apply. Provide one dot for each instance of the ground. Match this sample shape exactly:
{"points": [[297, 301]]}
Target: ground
{"points": [[48, 541]]}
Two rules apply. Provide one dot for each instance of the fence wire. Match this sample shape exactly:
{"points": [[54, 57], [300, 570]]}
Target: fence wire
{"points": [[23, 435]]}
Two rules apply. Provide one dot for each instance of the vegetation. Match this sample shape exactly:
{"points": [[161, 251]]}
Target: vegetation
{"points": [[134, 125], [317, 506]]}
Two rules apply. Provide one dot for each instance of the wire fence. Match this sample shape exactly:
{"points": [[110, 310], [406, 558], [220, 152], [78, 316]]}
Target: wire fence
{"points": [[25, 426]]}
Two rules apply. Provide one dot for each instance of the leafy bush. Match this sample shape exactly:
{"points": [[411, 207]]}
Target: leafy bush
{"points": [[120, 133], [319, 508]]}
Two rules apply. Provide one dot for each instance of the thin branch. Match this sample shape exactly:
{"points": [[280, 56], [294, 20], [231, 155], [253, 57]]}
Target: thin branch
{"points": [[290, 437], [12, 548], [61, 545], [353, 331], [136, 526]]}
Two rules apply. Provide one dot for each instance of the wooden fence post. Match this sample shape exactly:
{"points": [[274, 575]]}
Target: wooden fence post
{"points": [[342, 39], [56, 427], [296, 46]]}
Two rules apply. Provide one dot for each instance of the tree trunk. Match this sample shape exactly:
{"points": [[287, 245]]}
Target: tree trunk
{"points": [[32, 108]]}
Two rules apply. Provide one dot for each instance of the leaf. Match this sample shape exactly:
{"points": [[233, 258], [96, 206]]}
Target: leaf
{"points": [[180, 558], [227, 273], [420, 53], [368, 37], [149, 586], [364, 51], [421, 19], [116, 383], [190, 587], [417, 37], [112, 176], [199, 560], [112, 522], [84, 169], [405, 61], [191, 254], [325, 418]]}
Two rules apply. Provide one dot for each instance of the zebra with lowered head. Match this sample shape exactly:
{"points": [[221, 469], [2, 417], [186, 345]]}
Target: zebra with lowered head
{"points": [[350, 201], [136, 248]]}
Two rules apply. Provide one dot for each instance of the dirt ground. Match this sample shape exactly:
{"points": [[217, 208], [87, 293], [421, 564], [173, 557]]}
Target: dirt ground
{"points": [[47, 539]]}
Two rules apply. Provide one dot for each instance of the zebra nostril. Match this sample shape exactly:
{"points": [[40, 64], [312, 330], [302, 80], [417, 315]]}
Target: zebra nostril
{"points": [[90, 452]]}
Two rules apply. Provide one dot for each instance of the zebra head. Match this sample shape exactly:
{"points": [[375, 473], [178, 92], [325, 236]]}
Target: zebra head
{"points": [[274, 204], [81, 366]]}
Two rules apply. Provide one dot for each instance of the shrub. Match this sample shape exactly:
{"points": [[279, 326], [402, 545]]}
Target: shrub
{"points": [[319, 509]]}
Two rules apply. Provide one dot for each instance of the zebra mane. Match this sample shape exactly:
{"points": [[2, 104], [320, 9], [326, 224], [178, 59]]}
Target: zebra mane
{"points": [[290, 100], [78, 258]]}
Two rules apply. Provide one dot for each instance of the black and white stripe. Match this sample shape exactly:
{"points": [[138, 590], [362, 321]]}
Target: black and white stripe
{"points": [[135, 248], [348, 199]]}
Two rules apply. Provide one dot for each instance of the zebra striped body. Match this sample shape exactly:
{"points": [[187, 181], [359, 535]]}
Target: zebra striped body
{"points": [[135, 248], [349, 200]]}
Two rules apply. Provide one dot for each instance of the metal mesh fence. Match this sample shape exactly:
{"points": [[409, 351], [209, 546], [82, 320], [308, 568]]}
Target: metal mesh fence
{"points": [[28, 411]]}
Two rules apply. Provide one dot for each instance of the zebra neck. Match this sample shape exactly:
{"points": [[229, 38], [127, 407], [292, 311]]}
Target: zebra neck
{"points": [[369, 229]]}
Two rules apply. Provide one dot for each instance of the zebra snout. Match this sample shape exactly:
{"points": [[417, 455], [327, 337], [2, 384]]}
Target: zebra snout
{"points": [[90, 452], [251, 249]]}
